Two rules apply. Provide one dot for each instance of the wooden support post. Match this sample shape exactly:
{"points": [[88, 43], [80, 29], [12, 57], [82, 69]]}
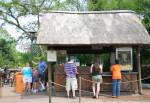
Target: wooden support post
{"points": [[80, 89], [51, 57], [139, 71], [49, 81], [0, 85]]}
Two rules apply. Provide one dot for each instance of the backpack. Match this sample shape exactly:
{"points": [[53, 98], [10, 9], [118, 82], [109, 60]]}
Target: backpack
{"points": [[96, 67]]}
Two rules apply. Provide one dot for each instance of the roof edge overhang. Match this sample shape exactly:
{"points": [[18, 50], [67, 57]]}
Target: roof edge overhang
{"points": [[92, 12], [92, 44], [65, 47]]}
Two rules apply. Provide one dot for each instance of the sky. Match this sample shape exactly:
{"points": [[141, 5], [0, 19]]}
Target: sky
{"points": [[24, 45], [15, 34]]}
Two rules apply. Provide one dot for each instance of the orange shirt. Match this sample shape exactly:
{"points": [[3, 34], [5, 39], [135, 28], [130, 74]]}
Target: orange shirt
{"points": [[116, 71]]}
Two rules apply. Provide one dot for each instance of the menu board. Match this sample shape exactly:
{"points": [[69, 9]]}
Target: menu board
{"points": [[124, 55]]}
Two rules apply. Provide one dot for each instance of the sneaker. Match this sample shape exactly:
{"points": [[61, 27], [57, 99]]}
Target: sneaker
{"points": [[113, 96]]}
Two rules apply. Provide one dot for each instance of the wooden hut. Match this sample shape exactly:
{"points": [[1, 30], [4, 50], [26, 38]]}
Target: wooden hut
{"points": [[94, 32]]}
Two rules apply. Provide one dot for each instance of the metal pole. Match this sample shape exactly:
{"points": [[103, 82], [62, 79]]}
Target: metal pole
{"points": [[49, 81], [80, 89], [31, 57], [139, 71], [32, 37], [78, 5]]}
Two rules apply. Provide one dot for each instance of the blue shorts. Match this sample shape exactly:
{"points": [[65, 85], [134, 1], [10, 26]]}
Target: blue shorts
{"points": [[42, 77], [35, 79]]}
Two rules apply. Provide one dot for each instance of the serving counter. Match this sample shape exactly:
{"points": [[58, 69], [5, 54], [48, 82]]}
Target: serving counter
{"points": [[86, 84]]}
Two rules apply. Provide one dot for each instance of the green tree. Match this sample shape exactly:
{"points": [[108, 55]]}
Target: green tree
{"points": [[7, 49], [113, 4], [144, 11], [13, 11], [141, 7]]}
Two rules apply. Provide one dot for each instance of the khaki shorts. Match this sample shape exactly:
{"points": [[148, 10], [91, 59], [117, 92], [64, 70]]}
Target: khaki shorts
{"points": [[71, 83], [97, 79]]}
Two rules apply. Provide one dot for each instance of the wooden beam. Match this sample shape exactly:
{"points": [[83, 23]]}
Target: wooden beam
{"points": [[49, 81], [139, 70], [84, 49]]}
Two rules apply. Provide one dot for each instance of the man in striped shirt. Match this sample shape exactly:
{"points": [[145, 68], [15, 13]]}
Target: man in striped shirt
{"points": [[71, 81]]}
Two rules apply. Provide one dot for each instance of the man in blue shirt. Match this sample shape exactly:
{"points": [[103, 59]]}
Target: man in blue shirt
{"points": [[41, 70]]}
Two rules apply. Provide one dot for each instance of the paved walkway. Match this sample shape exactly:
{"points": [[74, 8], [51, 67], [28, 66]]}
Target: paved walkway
{"points": [[9, 96]]}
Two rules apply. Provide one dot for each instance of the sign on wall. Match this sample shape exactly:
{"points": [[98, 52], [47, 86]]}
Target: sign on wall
{"points": [[124, 55], [51, 56]]}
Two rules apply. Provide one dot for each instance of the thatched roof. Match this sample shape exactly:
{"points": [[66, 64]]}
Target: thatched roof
{"points": [[104, 28]]}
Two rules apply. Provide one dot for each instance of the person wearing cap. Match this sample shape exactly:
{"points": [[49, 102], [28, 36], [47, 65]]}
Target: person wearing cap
{"points": [[70, 69]]}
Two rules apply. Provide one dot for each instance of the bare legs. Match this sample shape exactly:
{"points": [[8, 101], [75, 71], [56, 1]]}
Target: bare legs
{"points": [[73, 92], [96, 91], [27, 88], [68, 93], [93, 88], [35, 87]]}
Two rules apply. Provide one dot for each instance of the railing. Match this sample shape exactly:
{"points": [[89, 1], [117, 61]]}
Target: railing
{"points": [[80, 90]]}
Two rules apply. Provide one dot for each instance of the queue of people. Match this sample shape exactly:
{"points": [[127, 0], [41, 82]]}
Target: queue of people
{"points": [[34, 78], [96, 71], [7, 77]]}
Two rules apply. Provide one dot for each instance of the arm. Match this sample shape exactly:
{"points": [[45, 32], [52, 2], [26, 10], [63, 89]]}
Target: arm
{"points": [[34, 62], [91, 68], [101, 68], [45, 66], [76, 70], [45, 69], [65, 71]]}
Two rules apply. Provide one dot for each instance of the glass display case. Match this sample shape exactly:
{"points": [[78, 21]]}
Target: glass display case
{"points": [[124, 55]]}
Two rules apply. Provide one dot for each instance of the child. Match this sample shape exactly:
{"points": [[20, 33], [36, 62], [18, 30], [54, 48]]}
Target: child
{"points": [[35, 80]]}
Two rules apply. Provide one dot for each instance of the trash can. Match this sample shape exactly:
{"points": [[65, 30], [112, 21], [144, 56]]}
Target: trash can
{"points": [[0, 79], [0, 84], [19, 82]]}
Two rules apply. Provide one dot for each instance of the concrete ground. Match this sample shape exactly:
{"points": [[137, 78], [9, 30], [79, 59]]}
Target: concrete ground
{"points": [[9, 96]]}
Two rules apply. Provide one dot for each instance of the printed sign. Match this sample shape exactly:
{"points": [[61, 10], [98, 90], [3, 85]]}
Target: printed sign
{"points": [[125, 58], [51, 56]]}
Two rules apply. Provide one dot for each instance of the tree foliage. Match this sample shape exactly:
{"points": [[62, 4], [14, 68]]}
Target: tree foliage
{"points": [[7, 49], [112, 4], [15, 13], [141, 7]]}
